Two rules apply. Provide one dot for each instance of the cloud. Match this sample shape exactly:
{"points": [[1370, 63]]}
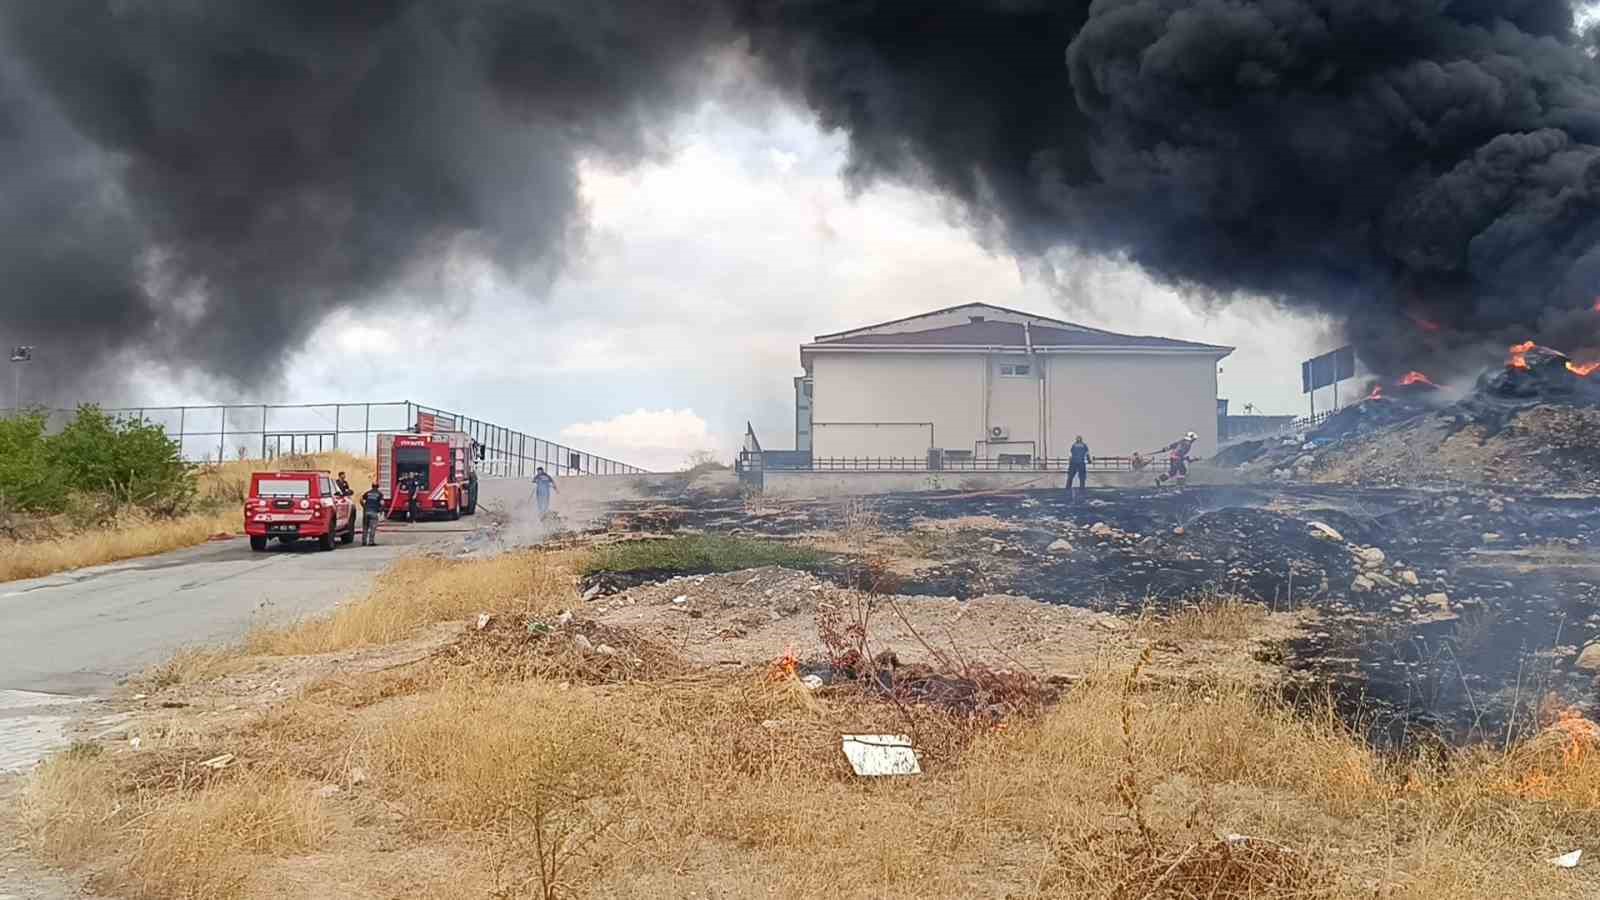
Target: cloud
{"points": [[658, 439]]}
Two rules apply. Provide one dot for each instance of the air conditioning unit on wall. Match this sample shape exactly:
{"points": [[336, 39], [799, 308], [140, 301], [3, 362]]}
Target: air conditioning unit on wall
{"points": [[999, 433]]}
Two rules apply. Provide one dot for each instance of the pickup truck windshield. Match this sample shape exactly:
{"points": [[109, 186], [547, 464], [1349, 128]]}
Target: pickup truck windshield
{"points": [[283, 487]]}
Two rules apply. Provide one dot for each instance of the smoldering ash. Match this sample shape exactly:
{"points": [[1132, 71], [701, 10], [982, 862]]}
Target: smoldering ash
{"points": [[204, 182]]}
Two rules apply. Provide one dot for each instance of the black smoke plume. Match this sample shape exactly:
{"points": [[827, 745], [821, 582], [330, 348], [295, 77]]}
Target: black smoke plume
{"points": [[203, 182], [1426, 172]]}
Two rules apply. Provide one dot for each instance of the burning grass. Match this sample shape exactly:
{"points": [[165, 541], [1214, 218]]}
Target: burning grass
{"points": [[523, 764]]}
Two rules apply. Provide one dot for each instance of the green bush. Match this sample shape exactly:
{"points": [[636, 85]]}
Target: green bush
{"points": [[28, 479], [96, 463], [130, 459]]}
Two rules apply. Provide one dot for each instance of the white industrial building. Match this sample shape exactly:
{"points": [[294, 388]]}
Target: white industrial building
{"points": [[981, 382]]}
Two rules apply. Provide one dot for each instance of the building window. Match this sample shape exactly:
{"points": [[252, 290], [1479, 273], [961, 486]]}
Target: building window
{"points": [[807, 389], [1016, 459], [1015, 371]]}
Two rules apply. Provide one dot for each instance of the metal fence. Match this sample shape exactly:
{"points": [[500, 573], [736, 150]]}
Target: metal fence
{"points": [[770, 461], [270, 430]]}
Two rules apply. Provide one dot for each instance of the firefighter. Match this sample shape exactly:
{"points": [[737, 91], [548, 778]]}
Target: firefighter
{"points": [[344, 486], [371, 512], [543, 484], [1178, 459], [1078, 465], [413, 506]]}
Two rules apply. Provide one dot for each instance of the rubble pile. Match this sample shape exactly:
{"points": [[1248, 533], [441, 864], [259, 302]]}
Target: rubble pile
{"points": [[1535, 424], [564, 648]]}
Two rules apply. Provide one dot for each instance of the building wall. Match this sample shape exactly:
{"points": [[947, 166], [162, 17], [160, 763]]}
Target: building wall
{"points": [[1126, 402], [872, 404], [1013, 405], [876, 404]]}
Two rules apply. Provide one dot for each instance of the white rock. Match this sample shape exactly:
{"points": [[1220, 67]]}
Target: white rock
{"points": [[1361, 585], [565, 618], [1325, 531], [1589, 658], [1178, 531], [483, 620], [1059, 546], [605, 650], [328, 791], [1438, 599], [1101, 530], [681, 598], [1372, 556], [592, 593], [1409, 577], [1490, 537], [582, 643], [358, 775], [812, 682], [1566, 860]]}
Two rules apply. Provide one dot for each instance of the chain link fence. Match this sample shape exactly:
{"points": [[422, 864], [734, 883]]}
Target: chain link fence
{"points": [[271, 430]]}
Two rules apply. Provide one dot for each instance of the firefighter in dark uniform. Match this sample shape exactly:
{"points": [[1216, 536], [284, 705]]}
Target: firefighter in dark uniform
{"points": [[371, 512]]}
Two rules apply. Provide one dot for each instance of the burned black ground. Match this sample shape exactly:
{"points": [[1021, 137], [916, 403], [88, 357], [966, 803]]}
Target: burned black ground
{"points": [[1397, 657]]}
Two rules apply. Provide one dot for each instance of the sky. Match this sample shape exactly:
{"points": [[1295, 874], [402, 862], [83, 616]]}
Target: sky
{"points": [[701, 273]]}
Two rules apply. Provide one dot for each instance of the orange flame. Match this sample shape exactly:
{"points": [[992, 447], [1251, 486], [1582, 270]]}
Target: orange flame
{"points": [[1377, 393], [1583, 370], [1414, 377], [1518, 358]]}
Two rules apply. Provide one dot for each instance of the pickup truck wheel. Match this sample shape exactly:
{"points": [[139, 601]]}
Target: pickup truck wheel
{"points": [[325, 542], [349, 530], [258, 544]]}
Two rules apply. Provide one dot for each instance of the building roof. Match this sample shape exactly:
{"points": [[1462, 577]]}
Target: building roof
{"points": [[1014, 336], [982, 310]]}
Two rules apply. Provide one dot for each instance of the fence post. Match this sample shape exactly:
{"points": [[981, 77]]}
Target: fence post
{"points": [[336, 408], [181, 411]]}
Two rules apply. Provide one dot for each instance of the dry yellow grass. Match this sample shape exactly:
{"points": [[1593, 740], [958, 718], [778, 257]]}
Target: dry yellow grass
{"points": [[421, 591], [732, 784], [132, 537], [1214, 617], [222, 491], [229, 482]]}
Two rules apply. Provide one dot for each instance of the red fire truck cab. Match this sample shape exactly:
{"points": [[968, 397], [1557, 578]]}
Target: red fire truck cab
{"points": [[434, 467], [295, 504]]}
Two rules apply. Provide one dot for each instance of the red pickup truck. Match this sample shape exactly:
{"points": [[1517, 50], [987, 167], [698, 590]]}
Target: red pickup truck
{"points": [[296, 504]]}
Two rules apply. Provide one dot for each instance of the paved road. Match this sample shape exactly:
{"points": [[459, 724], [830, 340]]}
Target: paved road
{"points": [[79, 632], [69, 638]]}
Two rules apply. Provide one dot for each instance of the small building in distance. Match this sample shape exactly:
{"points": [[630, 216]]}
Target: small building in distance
{"points": [[981, 382]]}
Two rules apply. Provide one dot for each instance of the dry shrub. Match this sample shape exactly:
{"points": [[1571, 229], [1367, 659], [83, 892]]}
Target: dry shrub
{"points": [[190, 665], [420, 591], [67, 806], [474, 756], [202, 844], [1210, 618]]}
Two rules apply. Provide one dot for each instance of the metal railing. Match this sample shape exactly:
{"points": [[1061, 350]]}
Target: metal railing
{"points": [[756, 460], [270, 430]]}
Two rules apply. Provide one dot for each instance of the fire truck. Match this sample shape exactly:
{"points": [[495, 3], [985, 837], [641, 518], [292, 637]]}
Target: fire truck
{"points": [[439, 467]]}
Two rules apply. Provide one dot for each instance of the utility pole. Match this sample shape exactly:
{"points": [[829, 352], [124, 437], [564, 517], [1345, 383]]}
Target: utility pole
{"points": [[19, 355]]}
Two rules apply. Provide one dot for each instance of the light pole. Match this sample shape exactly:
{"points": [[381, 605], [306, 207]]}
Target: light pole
{"points": [[19, 355]]}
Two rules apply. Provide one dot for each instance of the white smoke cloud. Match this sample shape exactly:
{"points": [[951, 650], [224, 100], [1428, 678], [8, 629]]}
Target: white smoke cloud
{"points": [[657, 439]]}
